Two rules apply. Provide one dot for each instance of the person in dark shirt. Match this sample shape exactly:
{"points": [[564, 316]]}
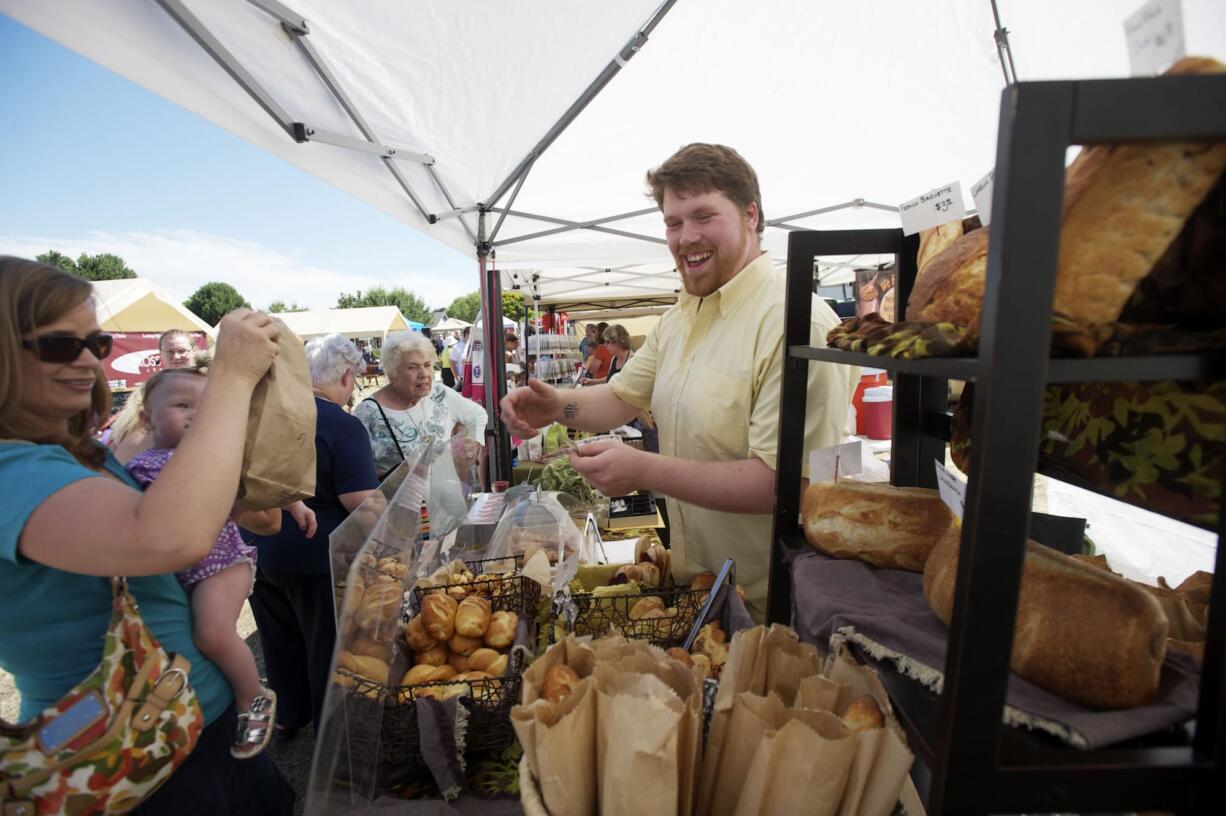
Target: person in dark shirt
{"points": [[292, 601]]}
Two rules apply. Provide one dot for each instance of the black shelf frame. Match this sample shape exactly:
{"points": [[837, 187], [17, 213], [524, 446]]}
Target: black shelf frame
{"points": [[977, 765]]}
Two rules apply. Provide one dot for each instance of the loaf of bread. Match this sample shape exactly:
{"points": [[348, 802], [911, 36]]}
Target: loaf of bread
{"points": [[482, 659], [434, 656], [380, 608], [501, 631], [863, 715], [415, 635], [463, 645], [1123, 206], [1081, 633], [559, 683], [372, 668], [894, 527]]}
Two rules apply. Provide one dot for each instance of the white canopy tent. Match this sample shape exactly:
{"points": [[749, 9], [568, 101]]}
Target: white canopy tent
{"points": [[367, 323], [524, 127], [140, 305]]}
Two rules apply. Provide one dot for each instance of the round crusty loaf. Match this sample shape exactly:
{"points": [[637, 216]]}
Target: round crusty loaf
{"points": [[1082, 633], [894, 527]]}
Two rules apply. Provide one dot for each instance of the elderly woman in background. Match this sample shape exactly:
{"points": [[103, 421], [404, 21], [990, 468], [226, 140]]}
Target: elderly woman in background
{"points": [[292, 601], [412, 407], [72, 517]]}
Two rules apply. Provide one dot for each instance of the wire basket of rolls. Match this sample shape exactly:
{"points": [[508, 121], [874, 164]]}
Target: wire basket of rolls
{"points": [[498, 580]]}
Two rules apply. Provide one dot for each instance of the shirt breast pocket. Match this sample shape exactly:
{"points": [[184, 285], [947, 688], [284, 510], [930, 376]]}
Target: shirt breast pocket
{"points": [[714, 415]]}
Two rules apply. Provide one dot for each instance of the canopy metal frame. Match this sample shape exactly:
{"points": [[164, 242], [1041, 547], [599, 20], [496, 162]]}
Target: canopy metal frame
{"points": [[484, 238]]}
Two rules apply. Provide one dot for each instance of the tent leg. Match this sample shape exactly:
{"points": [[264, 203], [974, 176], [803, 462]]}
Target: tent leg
{"points": [[497, 441]]}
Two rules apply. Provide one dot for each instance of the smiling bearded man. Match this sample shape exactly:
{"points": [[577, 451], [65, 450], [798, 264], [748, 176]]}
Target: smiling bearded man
{"points": [[710, 373]]}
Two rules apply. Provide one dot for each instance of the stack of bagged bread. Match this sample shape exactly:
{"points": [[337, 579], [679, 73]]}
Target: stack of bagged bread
{"points": [[457, 642], [1064, 606], [370, 621], [1124, 205]]}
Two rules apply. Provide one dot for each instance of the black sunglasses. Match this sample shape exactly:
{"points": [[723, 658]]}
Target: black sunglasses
{"points": [[56, 348]]}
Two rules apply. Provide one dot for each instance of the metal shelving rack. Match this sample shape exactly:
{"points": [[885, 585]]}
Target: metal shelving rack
{"points": [[976, 764]]}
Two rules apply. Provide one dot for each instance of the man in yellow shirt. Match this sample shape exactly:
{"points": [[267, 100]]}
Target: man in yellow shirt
{"points": [[710, 373]]}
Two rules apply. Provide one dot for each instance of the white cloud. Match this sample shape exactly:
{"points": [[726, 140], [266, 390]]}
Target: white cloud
{"points": [[181, 260]]}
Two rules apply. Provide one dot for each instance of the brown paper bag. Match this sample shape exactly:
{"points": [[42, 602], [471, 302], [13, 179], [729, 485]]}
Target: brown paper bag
{"points": [[811, 761], [639, 722], [279, 456], [760, 660], [571, 651], [559, 742]]}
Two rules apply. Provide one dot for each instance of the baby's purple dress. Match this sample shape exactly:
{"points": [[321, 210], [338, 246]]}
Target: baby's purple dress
{"points": [[228, 549]]}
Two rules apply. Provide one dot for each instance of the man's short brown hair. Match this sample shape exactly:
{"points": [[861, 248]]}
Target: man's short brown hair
{"points": [[701, 168]]}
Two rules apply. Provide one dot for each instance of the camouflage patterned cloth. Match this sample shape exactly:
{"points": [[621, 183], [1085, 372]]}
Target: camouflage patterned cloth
{"points": [[111, 741], [873, 334], [1155, 445]]}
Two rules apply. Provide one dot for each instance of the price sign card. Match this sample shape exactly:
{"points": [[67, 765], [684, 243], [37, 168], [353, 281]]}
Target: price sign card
{"points": [[837, 460], [981, 191], [952, 488], [1155, 37], [932, 209]]}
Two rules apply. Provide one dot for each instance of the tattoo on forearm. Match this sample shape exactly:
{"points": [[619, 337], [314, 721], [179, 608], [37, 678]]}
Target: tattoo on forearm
{"points": [[571, 410]]}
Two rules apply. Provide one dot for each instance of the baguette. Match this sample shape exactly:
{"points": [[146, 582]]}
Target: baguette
{"points": [[893, 527], [1081, 632]]}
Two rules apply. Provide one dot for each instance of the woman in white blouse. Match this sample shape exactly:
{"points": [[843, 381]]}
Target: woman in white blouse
{"points": [[413, 408]]}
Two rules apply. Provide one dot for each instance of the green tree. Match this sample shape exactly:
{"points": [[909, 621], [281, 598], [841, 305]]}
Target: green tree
{"points": [[103, 266], [410, 305], [513, 307], [278, 306], [61, 260], [213, 301], [465, 307]]}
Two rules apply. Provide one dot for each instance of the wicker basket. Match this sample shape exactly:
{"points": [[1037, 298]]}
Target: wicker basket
{"points": [[599, 614]]}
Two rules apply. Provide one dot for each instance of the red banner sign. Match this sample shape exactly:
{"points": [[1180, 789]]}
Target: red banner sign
{"points": [[134, 358]]}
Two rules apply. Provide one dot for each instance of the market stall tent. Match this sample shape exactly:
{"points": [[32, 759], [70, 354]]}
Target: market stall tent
{"points": [[138, 305], [369, 324]]}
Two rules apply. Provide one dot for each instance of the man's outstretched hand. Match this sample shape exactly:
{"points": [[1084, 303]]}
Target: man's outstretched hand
{"points": [[530, 407]]}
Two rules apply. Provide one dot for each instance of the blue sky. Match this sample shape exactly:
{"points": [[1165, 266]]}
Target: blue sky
{"points": [[92, 162]]}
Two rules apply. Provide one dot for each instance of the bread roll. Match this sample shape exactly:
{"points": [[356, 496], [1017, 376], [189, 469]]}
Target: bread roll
{"points": [[703, 664], [626, 574], [559, 683], [501, 631], [894, 527], [464, 645], [418, 674], [363, 644], [1081, 633], [863, 715], [644, 606], [677, 653], [475, 675], [440, 673], [438, 611], [498, 668], [482, 659], [434, 656], [458, 662], [702, 582], [372, 668], [650, 574], [472, 617], [415, 635], [380, 606]]}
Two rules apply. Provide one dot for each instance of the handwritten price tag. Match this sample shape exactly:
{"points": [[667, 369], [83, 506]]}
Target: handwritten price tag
{"points": [[952, 489], [981, 191], [932, 209], [1155, 37], [840, 460]]}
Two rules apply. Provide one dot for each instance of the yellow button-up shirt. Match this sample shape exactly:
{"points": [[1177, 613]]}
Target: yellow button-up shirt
{"points": [[711, 373]]}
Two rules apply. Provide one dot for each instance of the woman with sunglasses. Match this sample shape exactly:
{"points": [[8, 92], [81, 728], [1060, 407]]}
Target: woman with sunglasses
{"points": [[72, 517]]}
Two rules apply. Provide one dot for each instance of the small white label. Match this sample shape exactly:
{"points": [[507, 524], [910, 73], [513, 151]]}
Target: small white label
{"points": [[981, 191], [953, 489], [1155, 37], [932, 209], [837, 460]]}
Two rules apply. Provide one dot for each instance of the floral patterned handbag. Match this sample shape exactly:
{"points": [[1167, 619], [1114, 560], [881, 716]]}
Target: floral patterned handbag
{"points": [[111, 741]]}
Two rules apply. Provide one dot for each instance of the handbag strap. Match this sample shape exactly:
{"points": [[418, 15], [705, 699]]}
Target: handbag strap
{"points": [[390, 432]]}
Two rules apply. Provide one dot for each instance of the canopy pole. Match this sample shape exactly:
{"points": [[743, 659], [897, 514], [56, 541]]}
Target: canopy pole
{"points": [[1003, 51], [497, 441]]}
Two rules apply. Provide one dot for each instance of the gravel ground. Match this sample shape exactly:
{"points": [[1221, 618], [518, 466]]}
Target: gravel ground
{"points": [[293, 758]]}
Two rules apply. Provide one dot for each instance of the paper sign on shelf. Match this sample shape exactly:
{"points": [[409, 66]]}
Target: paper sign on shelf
{"points": [[981, 191], [952, 488], [846, 457], [1155, 37], [932, 209]]}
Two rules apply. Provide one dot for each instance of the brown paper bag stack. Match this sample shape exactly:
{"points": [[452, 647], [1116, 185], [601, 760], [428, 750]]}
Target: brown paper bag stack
{"points": [[279, 456], [626, 741], [777, 743]]}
